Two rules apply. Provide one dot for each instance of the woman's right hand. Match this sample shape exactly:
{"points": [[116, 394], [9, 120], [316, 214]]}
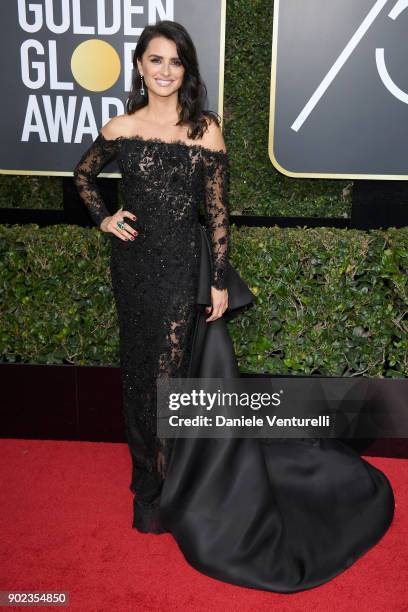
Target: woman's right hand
{"points": [[109, 224]]}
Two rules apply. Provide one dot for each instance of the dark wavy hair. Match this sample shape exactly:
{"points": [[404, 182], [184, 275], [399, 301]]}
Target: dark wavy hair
{"points": [[192, 94]]}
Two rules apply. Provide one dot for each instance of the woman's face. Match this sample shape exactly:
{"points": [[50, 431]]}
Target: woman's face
{"points": [[161, 67]]}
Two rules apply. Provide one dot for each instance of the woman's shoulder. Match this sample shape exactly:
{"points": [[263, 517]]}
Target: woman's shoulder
{"points": [[121, 125], [212, 137]]}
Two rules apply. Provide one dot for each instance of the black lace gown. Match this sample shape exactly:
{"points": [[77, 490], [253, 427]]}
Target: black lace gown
{"points": [[279, 515], [155, 279]]}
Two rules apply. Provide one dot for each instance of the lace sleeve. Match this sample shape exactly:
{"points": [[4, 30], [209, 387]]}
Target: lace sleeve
{"points": [[87, 169], [216, 171]]}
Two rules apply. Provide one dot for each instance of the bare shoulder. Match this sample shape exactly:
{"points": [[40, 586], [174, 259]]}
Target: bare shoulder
{"points": [[117, 126], [212, 137]]}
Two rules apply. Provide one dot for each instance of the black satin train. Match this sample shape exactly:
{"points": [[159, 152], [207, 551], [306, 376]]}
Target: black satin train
{"points": [[281, 515]]}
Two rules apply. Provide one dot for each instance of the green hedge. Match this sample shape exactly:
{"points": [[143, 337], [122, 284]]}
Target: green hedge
{"points": [[328, 301], [256, 187]]}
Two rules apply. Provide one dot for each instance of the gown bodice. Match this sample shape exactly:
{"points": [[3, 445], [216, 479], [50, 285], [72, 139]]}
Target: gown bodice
{"points": [[163, 183]]}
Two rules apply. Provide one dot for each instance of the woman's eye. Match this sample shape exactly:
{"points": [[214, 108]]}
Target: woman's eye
{"points": [[176, 62]]}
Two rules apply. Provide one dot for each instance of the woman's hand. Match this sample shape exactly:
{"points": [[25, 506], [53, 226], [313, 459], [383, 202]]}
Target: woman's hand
{"points": [[127, 232], [219, 299]]}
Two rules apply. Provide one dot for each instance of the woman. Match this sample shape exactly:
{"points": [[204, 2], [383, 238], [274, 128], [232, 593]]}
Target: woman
{"points": [[156, 241], [283, 515]]}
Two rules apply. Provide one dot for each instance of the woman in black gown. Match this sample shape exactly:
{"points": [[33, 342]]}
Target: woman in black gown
{"points": [[281, 515]]}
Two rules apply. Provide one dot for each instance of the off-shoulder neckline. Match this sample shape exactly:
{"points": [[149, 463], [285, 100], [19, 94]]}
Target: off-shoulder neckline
{"points": [[138, 138]]}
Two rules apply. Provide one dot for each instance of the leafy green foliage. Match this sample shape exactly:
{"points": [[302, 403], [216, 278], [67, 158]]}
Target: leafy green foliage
{"points": [[56, 296], [328, 301], [28, 191]]}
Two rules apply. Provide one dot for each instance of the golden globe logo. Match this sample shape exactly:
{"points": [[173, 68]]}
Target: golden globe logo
{"points": [[57, 64], [95, 65]]}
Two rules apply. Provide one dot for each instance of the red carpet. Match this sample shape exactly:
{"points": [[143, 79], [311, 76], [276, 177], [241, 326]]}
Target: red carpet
{"points": [[66, 515]]}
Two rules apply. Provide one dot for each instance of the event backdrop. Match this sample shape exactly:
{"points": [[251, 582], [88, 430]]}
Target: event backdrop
{"points": [[339, 89], [67, 70]]}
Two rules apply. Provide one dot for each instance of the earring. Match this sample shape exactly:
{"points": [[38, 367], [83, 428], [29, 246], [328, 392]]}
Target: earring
{"points": [[142, 89]]}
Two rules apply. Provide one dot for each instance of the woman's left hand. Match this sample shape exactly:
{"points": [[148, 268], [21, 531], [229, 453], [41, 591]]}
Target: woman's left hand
{"points": [[219, 299]]}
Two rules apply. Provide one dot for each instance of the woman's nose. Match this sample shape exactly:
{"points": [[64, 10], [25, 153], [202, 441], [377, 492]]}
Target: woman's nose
{"points": [[166, 69]]}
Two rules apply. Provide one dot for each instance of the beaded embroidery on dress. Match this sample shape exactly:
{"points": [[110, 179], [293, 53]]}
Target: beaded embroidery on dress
{"points": [[155, 279]]}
